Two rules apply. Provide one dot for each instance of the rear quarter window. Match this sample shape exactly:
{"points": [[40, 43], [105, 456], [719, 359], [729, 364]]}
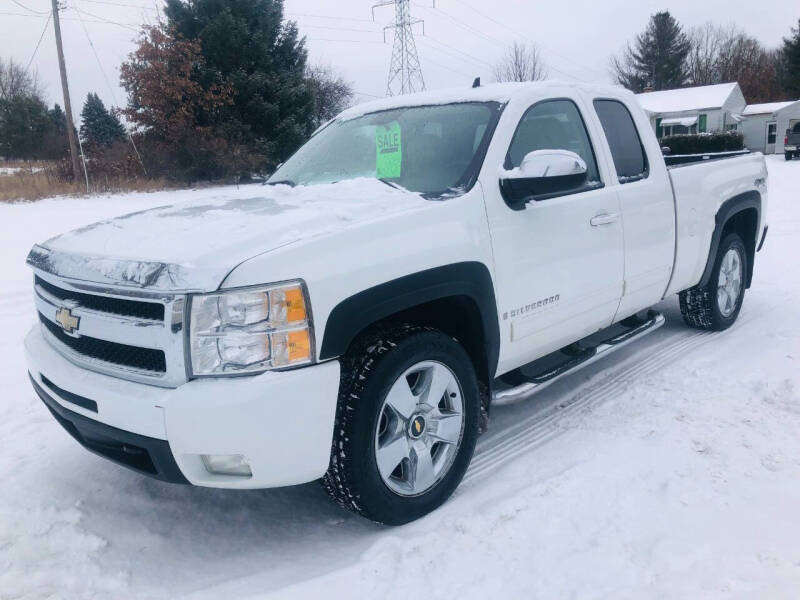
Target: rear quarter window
{"points": [[630, 159]]}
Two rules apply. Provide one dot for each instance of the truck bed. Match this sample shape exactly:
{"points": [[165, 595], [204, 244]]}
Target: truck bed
{"points": [[699, 190]]}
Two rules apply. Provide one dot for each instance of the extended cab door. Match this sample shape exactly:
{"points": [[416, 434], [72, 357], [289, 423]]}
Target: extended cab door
{"points": [[559, 258], [646, 199]]}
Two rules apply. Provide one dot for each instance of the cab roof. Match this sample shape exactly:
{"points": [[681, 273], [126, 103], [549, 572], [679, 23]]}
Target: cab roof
{"points": [[494, 92]]}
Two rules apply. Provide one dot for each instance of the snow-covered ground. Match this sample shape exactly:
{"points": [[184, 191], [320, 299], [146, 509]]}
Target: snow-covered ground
{"points": [[668, 470], [15, 170]]}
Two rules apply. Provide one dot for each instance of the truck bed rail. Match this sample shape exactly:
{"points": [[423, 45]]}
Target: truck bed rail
{"points": [[679, 160]]}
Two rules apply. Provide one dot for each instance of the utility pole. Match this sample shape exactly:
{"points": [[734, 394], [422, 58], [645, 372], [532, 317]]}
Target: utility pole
{"points": [[73, 143], [405, 72]]}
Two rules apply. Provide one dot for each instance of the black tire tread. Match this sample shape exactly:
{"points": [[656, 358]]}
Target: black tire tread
{"points": [[355, 367], [699, 304]]}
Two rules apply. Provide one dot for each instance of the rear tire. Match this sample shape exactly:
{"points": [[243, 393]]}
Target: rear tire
{"points": [[788, 155], [716, 305], [371, 435]]}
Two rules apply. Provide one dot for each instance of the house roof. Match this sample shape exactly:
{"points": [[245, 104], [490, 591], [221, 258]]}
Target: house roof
{"points": [[693, 98], [767, 108]]}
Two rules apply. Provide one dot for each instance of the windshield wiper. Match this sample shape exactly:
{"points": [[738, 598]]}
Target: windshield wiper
{"points": [[392, 184], [288, 182]]}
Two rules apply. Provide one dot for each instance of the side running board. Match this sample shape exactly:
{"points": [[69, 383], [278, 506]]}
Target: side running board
{"points": [[576, 360]]}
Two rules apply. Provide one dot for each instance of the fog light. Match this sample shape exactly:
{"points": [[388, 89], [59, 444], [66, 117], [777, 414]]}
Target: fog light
{"points": [[227, 464]]}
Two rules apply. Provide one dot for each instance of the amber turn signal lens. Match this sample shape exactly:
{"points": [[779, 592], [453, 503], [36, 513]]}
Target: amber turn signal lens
{"points": [[299, 345], [295, 305]]}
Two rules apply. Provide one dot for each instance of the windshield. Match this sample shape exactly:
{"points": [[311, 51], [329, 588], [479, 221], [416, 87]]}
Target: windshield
{"points": [[432, 150]]}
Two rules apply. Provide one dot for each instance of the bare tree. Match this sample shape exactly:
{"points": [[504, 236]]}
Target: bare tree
{"points": [[331, 93], [16, 81], [521, 62], [723, 54], [707, 42]]}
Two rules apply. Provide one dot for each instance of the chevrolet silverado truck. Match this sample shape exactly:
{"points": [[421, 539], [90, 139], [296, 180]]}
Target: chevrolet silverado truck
{"points": [[418, 259]]}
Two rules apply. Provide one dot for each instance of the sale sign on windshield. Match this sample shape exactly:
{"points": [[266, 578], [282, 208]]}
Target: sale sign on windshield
{"points": [[389, 147]]}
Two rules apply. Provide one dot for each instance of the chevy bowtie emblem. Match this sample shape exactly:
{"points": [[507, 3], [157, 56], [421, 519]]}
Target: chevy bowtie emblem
{"points": [[67, 320]]}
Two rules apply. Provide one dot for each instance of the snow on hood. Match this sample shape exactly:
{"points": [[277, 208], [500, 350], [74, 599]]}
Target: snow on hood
{"points": [[195, 244]]}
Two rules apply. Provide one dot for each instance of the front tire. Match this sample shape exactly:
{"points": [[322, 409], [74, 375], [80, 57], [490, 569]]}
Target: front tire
{"points": [[716, 305], [406, 425]]}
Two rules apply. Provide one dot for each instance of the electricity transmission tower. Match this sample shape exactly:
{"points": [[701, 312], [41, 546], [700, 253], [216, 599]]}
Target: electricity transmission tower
{"points": [[405, 73]]}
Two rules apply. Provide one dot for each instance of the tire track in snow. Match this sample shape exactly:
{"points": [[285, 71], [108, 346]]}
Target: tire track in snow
{"points": [[537, 429]]}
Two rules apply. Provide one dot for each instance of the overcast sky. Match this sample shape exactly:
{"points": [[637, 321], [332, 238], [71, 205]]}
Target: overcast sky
{"points": [[463, 38]]}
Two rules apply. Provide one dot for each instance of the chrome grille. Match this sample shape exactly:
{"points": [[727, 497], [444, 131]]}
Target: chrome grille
{"points": [[126, 333], [114, 306], [143, 359]]}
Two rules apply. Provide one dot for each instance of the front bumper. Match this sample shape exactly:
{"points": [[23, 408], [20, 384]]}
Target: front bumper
{"points": [[281, 422]]}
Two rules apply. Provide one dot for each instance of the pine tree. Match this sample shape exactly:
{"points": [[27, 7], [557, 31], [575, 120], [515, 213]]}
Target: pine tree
{"points": [[790, 63], [54, 142], [99, 127], [247, 45], [657, 58], [23, 124]]}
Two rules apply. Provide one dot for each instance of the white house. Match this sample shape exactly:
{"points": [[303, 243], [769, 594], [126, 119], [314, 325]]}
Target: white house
{"points": [[695, 109], [765, 125]]}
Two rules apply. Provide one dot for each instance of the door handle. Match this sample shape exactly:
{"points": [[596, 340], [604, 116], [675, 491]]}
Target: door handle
{"points": [[603, 219]]}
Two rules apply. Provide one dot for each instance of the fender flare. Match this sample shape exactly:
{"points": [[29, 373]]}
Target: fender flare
{"points": [[354, 314], [730, 208]]}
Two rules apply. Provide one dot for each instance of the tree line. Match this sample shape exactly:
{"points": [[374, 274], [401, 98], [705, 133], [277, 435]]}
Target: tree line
{"points": [[222, 89], [215, 90], [666, 56]]}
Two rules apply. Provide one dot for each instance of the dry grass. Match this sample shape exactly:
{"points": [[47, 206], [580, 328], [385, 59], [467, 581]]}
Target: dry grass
{"points": [[33, 181]]}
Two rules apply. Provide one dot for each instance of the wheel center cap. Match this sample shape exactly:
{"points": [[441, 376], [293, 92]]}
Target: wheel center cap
{"points": [[416, 427]]}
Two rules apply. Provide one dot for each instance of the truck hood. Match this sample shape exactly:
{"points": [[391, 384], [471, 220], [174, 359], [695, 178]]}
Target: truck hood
{"points": [[194, 245]]}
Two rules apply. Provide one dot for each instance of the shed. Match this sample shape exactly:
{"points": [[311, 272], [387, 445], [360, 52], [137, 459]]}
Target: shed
{"points": [[765, 125], [694, 109]]}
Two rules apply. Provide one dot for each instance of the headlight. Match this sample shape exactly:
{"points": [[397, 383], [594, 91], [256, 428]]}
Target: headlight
{"points": [[250, 330]]}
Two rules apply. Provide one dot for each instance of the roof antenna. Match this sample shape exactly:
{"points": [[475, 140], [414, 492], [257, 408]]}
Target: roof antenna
{"points": [[476, 83]]}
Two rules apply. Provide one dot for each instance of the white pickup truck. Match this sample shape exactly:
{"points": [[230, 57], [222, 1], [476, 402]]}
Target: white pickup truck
{"points": [[417, 259]]}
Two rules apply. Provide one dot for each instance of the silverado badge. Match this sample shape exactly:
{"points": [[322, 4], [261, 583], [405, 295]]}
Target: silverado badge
{"points": [[67, 320]]}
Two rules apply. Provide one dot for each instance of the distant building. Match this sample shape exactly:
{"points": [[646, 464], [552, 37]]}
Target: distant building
{"points": [[765, 125], [695, 109]]}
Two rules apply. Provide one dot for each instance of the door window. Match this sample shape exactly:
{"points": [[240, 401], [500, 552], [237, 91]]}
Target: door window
{"points": [[554, 125], [772, 131], [627, 151]]}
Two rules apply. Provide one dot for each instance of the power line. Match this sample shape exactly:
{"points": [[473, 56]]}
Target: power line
{"points": [[466, 27], [366, 94], [38, 12], [39, 43], [313, 16], [123, 5], [31, 16], [316, 39], [349, 29], [452, 50], [470, 29], [518, 33], [448, 67], [113, 94], [88, 14]]}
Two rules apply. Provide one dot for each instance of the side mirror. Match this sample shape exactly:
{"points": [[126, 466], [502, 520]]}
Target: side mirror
{"points": [[543, 174], [666, 150]]}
